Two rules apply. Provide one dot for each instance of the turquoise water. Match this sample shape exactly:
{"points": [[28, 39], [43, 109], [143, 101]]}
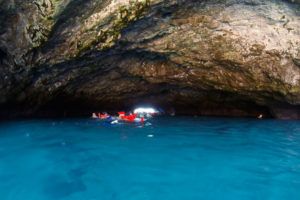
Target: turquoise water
{"points": [[174, 158]]}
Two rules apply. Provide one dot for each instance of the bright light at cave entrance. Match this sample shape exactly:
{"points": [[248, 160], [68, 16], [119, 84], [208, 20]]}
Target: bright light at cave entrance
{"points": [[145, 110]]}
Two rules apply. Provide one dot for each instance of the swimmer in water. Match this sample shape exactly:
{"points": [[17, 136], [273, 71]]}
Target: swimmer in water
{"points": [[94, 116]]}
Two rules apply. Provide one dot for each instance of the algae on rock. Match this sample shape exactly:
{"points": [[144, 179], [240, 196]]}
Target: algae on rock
{"points": [[106, 38]]}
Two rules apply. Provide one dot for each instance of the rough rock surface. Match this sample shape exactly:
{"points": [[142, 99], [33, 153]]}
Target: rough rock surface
{"points": [[209, 57]]}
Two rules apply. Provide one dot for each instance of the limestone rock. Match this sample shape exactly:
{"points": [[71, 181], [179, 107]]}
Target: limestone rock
{"points": [[231, 57]]}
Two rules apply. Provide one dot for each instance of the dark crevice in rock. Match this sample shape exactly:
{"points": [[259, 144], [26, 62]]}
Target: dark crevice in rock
{"points": [[3, 56]]}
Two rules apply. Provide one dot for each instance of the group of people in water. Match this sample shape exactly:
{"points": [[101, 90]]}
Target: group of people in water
{"points": [[139, 116]]}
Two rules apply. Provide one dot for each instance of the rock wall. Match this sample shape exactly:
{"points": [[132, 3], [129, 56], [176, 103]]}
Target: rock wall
{"points": [[229, 58]]}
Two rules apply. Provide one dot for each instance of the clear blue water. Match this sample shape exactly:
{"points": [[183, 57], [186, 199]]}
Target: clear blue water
{"points": [[187, 158]]}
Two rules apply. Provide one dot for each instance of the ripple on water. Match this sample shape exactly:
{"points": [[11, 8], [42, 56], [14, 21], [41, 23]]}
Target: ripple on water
{"points": [[173, 158]]}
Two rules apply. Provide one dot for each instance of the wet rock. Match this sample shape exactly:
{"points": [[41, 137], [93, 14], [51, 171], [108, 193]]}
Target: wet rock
{"points": [[229, 58], [286, 112]]}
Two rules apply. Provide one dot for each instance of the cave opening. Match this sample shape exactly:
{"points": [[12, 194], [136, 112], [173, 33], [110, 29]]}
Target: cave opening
{"points": [[83, 107]]}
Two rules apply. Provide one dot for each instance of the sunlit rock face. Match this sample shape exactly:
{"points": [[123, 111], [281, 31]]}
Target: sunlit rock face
{"points": [[225, 58]]}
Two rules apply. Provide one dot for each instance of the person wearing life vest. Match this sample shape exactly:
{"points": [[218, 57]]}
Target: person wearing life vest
{"points": [[103, 116], [121, 115], [129, 117]]}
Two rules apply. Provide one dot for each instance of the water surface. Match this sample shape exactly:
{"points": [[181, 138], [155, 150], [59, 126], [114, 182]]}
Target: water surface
{"points": [[174, 158]]}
